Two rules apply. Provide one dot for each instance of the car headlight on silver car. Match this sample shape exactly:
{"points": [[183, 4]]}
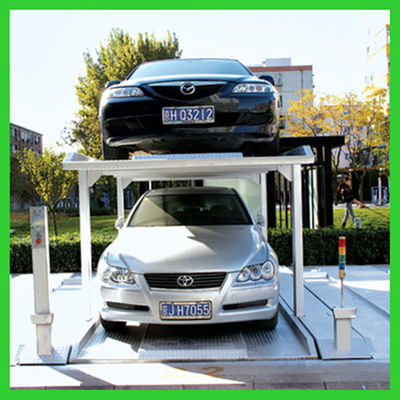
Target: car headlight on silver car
{"points": [[118, 275], [118, 92], [257, 272], [255, 88], [108, 273]]}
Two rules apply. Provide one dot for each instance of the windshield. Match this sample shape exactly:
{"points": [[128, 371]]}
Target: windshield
{"points": [[189, 67], [190, 209]]}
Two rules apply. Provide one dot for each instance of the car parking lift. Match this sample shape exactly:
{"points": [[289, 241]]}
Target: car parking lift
{"points": [[194, 167]]}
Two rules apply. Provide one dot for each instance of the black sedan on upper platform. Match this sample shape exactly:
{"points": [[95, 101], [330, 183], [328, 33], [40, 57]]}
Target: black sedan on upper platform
{"points": [[190, 106]]}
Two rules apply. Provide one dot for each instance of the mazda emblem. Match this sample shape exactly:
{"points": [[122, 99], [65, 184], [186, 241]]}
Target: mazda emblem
{"points": [[187, 88], [185, 280]]}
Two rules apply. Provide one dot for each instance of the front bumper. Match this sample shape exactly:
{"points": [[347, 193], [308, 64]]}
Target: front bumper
{"points": [[230, 303]]}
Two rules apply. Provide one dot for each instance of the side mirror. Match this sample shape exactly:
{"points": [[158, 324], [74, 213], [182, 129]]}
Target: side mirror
{"points": [[260, 220], [119, 223], [268, 78], [111, 83]]}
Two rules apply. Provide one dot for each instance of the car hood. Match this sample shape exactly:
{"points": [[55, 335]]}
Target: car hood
{"points": [[188, 78], [178, 249]]}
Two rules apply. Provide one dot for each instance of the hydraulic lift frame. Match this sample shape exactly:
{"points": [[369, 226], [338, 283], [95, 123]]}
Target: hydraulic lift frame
{"points": [[194, 167]]}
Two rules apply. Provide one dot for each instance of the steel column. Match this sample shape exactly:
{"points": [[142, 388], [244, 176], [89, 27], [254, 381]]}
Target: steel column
{"points": [[120, 198], [264, 211], [297, 242], [86, 247]]}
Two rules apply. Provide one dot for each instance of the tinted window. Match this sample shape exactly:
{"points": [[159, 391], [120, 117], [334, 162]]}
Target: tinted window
{"points": [[190, 209], [188, 67]]}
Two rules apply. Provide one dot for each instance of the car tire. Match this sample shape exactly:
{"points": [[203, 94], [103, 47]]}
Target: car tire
{"points": [[114, 153], [267, 324], [112, 325]]}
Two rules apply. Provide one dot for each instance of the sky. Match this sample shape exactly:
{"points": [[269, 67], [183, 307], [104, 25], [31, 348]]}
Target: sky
{"points": [[47, 47]]}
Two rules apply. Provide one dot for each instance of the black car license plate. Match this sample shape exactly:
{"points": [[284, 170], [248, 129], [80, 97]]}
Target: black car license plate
{"points": [[185, 310], [188, 115]]}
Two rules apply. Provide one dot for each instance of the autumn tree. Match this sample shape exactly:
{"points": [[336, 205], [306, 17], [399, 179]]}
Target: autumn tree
{"points": [[306, 116], [50, 181], [114, 60], [363, 121]]}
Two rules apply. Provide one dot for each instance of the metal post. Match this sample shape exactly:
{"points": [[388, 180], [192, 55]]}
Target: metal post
{"points": [[42, 318], [120, 199], [264, 211], [297, 242], [86, 247]]}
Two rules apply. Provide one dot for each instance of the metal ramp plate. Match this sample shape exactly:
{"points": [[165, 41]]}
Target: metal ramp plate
{"points": [[184, 343], [26, 355], [318, 319]]}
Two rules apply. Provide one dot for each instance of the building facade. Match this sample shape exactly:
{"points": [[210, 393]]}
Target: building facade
{"points": [[378, 58], [24, 139], [289, 79]]}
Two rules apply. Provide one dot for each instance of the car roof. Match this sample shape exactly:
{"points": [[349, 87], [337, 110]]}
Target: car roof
{"points": [[191, 59], [191, 190]]}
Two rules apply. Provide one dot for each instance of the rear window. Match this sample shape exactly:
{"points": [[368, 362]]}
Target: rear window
{"points": [[190, 209], [189, 67]]}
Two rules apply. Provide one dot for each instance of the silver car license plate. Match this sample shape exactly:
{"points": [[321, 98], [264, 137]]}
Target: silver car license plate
{"points": [[185, 310], [188, 115]]}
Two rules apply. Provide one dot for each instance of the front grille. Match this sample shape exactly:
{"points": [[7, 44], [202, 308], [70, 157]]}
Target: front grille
{"points": [[173, 91], [200, 280]]}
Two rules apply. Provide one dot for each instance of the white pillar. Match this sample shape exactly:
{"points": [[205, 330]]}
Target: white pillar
{"points": [[86, 247], [264, 211], [120, 199], [42, 318], [297, 242]]}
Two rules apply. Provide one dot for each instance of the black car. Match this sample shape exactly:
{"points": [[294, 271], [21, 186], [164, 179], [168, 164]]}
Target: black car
{"points": [[190, 106]]}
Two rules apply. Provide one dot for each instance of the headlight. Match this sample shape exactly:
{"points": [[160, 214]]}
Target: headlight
{"points": [[124, 92], [252, 88], [257, 272], [117, 275]]}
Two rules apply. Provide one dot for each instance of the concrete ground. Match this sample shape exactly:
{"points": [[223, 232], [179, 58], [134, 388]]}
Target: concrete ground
{"points": [[70, 324]]}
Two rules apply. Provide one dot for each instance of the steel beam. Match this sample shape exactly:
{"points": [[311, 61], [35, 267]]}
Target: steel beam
{"points": [[297, 242]]}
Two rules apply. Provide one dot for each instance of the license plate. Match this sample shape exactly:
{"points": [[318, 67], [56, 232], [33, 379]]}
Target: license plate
{"points": [[188, 115], [185, 310]]}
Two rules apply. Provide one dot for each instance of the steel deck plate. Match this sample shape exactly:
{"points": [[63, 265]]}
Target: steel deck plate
{"points": [[194, 342]]}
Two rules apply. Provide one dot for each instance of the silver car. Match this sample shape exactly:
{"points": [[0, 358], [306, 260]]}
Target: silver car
{"points": [[189, 256]]}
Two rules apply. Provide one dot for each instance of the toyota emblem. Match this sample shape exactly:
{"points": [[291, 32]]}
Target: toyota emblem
{"points": [[187, 88], [185, 281]]}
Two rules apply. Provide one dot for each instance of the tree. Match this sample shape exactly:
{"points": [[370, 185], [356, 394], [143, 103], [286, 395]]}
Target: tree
{"points": [[368, 128], [364, 123], [307, 116], [51, 182], [115, 59], [21, 188]]}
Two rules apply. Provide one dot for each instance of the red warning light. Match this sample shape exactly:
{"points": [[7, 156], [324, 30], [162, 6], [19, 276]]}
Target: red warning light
{"points": [[38, 241]]}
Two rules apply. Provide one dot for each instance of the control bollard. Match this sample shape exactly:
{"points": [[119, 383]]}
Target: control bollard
{"points": [[41, 271], [342, 265], [342, 316]]}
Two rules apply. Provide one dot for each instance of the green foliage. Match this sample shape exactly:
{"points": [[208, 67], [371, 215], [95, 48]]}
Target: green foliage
{"points": [[21, 188], [64, 253], [115, 59], [364, 246], [51, 182]]}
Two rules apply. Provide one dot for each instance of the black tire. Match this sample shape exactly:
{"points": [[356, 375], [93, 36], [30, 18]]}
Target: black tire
{"points": [[267, 324], [114, 153], [112, 325]]}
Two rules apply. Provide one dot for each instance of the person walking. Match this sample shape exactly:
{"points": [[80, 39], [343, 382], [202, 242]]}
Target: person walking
{"points": [[349, 198]]}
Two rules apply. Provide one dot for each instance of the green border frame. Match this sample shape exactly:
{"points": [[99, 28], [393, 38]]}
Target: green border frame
{"points": [[205, 5]]}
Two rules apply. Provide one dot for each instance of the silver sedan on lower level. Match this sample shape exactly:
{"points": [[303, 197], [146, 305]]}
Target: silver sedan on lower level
{"points": [[189, 256]]}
